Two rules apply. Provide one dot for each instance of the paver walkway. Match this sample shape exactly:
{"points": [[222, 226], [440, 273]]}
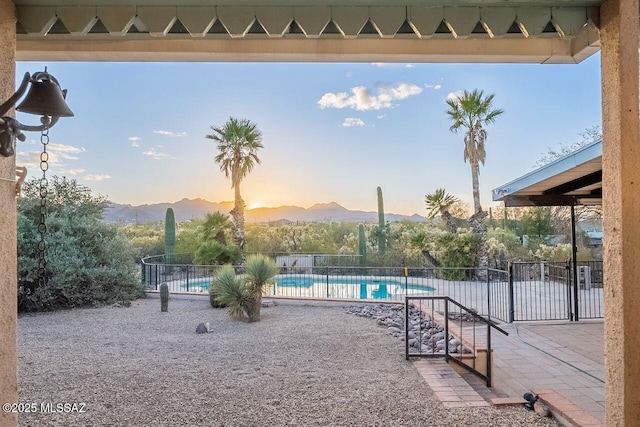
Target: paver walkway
{"points": [[563, 362], [569, 359]]}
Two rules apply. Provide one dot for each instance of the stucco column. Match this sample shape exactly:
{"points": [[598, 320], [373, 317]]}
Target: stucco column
{"points": [[8, 275], [621, 207]]}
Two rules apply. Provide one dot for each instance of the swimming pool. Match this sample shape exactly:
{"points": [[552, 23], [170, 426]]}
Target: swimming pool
{"points": [[324, 286]]}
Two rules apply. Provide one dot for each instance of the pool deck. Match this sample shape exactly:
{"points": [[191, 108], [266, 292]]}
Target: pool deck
{"points": [[562, 362]]}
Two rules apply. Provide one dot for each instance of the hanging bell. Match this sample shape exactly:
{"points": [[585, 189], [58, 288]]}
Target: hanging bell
{"points": [[45, 98]]}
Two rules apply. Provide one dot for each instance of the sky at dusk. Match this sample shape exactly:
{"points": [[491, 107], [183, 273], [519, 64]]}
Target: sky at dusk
{"points": [[331, 132]]}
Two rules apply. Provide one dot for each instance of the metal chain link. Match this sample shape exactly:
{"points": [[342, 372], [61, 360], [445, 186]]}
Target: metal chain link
{"points": [[42, 226]]}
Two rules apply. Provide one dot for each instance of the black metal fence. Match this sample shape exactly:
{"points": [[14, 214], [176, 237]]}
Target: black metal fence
{"points": [[526, 291], [442, 327]]}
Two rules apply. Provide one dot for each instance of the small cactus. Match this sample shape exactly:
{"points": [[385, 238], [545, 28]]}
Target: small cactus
{"points": [[382, 238], [362, 245], [169, 236], [164, 297]]}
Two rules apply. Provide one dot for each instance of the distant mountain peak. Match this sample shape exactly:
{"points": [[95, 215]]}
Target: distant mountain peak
{"points": [[330, 205], [186, 209]]}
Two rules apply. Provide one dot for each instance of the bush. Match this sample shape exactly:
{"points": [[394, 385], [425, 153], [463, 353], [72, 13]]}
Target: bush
{"points": [[88, 262]]}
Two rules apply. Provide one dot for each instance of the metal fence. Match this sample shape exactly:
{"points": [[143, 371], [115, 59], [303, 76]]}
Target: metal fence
{"points": [[547, 290], [526, 291]]}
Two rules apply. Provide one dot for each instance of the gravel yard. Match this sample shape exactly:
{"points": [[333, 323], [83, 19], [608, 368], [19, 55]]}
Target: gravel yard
{"points": [[299, 366]]}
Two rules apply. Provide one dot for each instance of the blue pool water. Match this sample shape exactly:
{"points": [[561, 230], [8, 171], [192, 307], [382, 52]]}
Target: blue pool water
{"points": [[295, 285]]}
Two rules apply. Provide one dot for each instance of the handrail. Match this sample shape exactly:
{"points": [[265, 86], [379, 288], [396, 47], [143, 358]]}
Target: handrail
{"points": [[486, 375]]}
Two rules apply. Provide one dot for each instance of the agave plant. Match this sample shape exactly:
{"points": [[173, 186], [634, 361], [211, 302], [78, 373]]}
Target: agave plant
{"points": [[243, 295]]}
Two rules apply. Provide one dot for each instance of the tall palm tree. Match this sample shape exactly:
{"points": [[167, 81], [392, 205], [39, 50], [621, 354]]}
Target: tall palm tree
{"points": [[438, 203], [238, 141], [472, 111]]}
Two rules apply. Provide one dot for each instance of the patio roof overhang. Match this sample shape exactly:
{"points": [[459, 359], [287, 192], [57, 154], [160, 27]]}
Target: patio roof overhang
{"points": [[574, 179], [532, 31]]}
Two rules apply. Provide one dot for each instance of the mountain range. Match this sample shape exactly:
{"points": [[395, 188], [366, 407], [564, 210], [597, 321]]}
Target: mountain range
{"points": [[186, 209]]}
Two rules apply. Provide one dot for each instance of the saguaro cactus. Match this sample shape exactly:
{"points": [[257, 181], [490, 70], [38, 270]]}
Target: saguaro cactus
{"points": [[164, 297], [382, 231], [169, 236], [362, 245]]}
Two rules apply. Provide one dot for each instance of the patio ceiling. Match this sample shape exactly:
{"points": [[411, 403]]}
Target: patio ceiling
{"points": [[570, 180], [544, 31]]}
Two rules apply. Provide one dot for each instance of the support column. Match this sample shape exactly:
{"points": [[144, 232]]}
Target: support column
{"points": [[8, 243], [621, 206]]}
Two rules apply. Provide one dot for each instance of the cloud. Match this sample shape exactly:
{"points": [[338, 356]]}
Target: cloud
{"points": [[151, 152], [362, 99], [379, 64], [92, 177], [349, 74], [434, 87], [134, 138], [72, 171], [135, 144], [169, 133], [409, 66], [351, 121], [57, 152], [453, 96], [382, 116]]}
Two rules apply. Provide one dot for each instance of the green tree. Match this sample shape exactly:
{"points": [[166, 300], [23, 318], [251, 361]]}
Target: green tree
{"points": [[439, 203], [88, 262], [472, 111], [238, 142]]}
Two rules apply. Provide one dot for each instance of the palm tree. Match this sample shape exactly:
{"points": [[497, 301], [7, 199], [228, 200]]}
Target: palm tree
{"points": [[472, 111], [238, 142], [438, 203]]}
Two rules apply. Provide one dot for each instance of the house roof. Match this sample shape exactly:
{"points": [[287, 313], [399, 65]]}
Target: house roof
{"points": [[538, 31], [570, 180]]}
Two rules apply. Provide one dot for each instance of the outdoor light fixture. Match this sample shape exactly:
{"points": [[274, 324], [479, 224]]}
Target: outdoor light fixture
{"points": [[531, 400], [45, 98]]}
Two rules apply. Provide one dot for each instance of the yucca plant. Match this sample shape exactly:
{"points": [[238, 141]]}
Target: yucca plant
{"points": [[260, 271], [243, 295], [230, 291]]}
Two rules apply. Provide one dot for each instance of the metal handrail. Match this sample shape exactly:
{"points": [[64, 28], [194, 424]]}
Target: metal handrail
{"points": [[447, 300]]}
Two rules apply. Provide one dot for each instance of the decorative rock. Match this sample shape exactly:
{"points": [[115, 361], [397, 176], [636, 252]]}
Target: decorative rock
{"points": [[202, 329], [541, 409], [393, 330], [411, 334]]}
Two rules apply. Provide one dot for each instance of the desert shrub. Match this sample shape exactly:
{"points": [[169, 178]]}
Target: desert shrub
{"points": [[88, 262], [243, 295]]}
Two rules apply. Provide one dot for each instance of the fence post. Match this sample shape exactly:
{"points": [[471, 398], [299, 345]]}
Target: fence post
{"points": [[488, 355], [156, 277], [567, 269], [512, 310], [142, 274], [488, 295], [446, 328], [406, 328]]}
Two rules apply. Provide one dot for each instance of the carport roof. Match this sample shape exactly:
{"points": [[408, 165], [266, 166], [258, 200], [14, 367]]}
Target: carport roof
{"points": [[574, 179]]}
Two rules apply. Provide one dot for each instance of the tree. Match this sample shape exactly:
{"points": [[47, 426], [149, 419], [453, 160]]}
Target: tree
{"points": [[472, 111], [439, 203], [589, 136], [238, 142], [88, 262]]}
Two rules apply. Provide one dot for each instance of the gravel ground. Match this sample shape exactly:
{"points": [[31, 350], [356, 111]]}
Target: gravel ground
{"points": [[299, 366]]}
